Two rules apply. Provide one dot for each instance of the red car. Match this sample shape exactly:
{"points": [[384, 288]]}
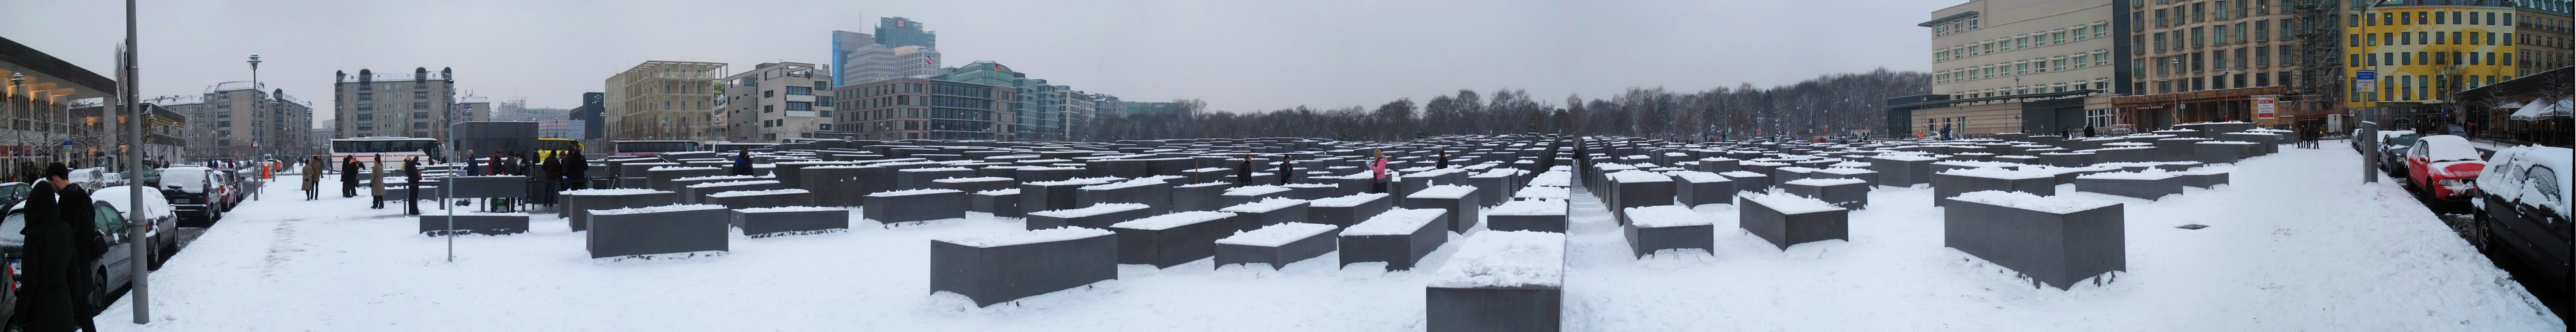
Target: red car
{"points": [[2445, 167]]}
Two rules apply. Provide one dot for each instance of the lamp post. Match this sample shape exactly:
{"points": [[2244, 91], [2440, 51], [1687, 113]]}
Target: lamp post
{"points": [[16, 80], [259, 103]]}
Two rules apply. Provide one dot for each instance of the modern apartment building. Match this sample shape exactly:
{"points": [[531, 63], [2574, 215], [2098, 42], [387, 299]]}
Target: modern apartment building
{"points": [[474, 108], [2017, 66], [2217, 60], [420, 103], [776, 101], [663, 100], [2412, 55], [925, 108], [231, 117]]}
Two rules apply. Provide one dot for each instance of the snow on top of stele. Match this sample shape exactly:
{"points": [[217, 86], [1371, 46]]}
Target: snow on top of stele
{"points": [[1175, 219], [731, 183], [1276, 234], [1265, 205], [1398, 221], [972, 179], [1078, 181], [657, 209], [1348, 201], [1093, 210], [1788, 203], [1997, 173], [1006, 238], [680, 168], [1254, 190], [1554, 178], [913, 192], [999, 192], [1665, 216], [1742, 174], [1505, 259], [1449, 191], [717, 177], [1544, 192], [2150, 174], [1697, 176], [1138, 182], [741, 193], [611, 191], [2028, 201], [1636, 176], [789, 209], [1530, 207], [1821, 182]]}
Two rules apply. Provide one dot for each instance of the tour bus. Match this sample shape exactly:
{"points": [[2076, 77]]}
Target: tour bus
{"points": [[557, 147], [722, 148], [652, 148], [393, 149]]}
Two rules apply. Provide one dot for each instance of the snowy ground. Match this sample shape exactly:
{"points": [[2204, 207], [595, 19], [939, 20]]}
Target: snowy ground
{"points": [[2295, 244]]}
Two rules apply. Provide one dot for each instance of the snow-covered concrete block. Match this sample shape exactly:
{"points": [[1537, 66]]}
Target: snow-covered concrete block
{"points": [[1171, 239], [1952, 183], [1635, 188], [666, 229], [1054, 195], [1499, 281], [1702, 188], [1786, 220], [1247, 194], [1206, 196], [2178, 148], [1491, 186], [583, 201], [1348, 210], [746, 199], [2068, 159], [1399, 237], [697, 193], [1459, 201], [1095, 216], [506, 186], [915, 205], [660, 178], [1269, 211], [974, 184], [834, 185], [1123, 168], [1313, 191], [1748, 181], [1544, 215], [2054, 240], [1276, 245], [1902, 170], [1003, 203], [1002, 267], [2127, 154], [1043, 174], [1655, 228], [2149, 186], [2215, 152], [1153, 192], [764, 222], [1863, 174], [485, 223], [926, 178], [2202, 178], [1790, 173], [1845, 193]]}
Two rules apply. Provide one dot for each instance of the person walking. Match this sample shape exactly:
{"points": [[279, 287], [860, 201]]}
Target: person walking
{"points": [[1377, 171], [1287, 168], [349, 177], [411, 188], [742, 162], [313, 178], [552, 180], [1243, 173], [473, 166], [49, 260], [1945, 132], [376, 181], [575, 171], [495, 164]]}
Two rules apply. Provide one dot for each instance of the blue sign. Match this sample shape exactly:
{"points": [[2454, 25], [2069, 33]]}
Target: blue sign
{"points": [[2365, 75], [67, 143]]}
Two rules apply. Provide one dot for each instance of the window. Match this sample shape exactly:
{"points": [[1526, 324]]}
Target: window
{"points": [[364, 126], [420, 105], [2059, 37], [2160, 41], [795, 106], [2222, 10], [2240, 32], [420, 125], [2199, 13], [2240, 58], [2101, 58], [2263, 55], [419, 95], [768, 93], [224, 114], [419, 115], [2160, 18], [223, 133], [2196, 33], [2262, 30], [2221, 56], [2101, 30], [365, 117], [2219, 31], [800, 91]]}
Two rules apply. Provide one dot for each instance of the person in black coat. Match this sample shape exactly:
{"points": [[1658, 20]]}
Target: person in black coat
{"points": [[50, 259], [349, 178], [1287, 169], [81, 214], [411, 189], [1243, 174], [574, 171], [742, 162], [2088, 131]]}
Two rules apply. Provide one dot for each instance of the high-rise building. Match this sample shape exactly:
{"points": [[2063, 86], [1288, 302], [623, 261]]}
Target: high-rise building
{"points": [[899, 48], [900, 32], [231, 117], [663, 100], [592, 115], [775, 101], [2417, 52], [474, 108], [421, 103], [2018, 66], [924, 108]]}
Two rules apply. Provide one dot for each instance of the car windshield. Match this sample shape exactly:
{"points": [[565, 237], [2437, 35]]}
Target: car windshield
{"points": [[191, 179]]}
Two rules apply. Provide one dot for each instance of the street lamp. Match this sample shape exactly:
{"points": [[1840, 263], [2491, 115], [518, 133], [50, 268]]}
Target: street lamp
{"points": [[16, 80], [258, 104]]}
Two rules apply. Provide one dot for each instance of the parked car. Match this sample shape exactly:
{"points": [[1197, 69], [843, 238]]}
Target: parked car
{"points": [[193, 193], [2392, 148], [2522, 207], [228, 186], [115, 266], [2444, 167], [13, 192]]}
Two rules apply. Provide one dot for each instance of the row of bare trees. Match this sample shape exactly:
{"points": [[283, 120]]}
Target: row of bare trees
{"points": [[1831, 104]]}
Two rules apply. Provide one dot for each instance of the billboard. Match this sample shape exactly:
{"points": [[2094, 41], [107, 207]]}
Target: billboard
{"points": [[2263, 106]]}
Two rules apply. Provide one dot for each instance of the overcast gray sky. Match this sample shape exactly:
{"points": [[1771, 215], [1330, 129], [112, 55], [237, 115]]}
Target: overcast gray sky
{"points": [[1236, 55]]}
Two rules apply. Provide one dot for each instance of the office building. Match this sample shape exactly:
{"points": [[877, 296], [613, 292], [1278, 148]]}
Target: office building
{"points": [[663, 100], [2039, 66], [591, 115], [474, 108], [775, 101], [899, 48], [900, 32], [2211, 60], [420, 103], [516, 109], [239, 120], [924, 108]]}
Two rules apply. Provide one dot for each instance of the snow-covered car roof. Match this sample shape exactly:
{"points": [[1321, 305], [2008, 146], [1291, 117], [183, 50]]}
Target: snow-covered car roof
{"points": [[2505, 177], [2440, 148], [156, 207]]}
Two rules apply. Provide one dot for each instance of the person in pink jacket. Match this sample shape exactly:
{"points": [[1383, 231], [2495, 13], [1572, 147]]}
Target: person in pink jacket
{"points": [[1377, 169]]}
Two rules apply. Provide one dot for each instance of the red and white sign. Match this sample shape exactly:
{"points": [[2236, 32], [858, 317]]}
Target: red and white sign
{"points": [[2263, 106]]}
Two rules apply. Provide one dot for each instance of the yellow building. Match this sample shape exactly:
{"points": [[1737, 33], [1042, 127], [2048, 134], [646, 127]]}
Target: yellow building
{"points": [[2418, 52]]}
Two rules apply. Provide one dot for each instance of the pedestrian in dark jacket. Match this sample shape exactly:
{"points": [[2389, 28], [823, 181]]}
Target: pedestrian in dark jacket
{"points": [[1243, 174], [1287, 169], [2088, 131], [50, 259], [411, 189], [81, 214], [1443, 161], [742, 162], [349, 177], [495, 164], [575, 171]]}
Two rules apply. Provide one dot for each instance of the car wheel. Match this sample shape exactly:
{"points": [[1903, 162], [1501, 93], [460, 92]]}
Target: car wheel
{"points": [[98, 296], [2486, 238]]}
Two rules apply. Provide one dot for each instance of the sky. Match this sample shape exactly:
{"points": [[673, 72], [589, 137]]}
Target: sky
{"points": [[1235, 55]]}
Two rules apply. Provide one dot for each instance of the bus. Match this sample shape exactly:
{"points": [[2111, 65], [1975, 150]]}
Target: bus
{"points": [[652, 148], [548, 148], [393, 149], [722, 148]]}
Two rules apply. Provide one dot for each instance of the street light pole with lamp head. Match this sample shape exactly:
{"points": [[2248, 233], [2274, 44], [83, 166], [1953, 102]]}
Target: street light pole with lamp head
{"points": [[259, 104]]}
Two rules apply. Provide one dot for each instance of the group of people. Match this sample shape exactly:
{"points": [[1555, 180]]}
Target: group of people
{"points": [[553, 173], [62, 241]]}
